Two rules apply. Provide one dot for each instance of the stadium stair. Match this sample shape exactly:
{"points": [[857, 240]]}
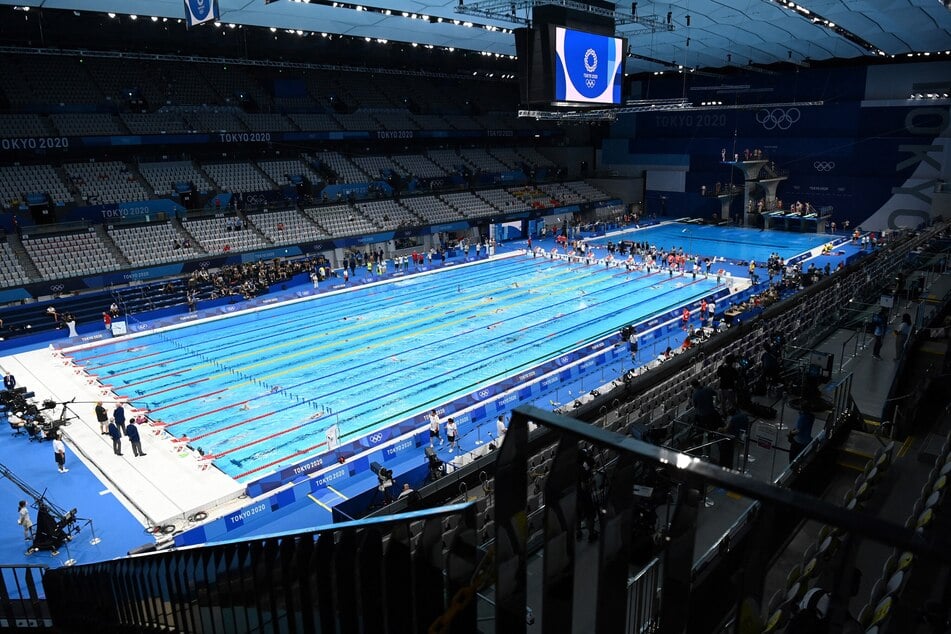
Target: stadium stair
{"points": [[16, 245], [134, 170], [111, 245], [248, 223], [184, 233], [64, 177]]}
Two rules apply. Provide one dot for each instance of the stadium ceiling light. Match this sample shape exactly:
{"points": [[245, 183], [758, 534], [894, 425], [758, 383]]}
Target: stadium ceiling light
{"points": [[415, 44], [154, 18], [112, 15], [273, 29]]}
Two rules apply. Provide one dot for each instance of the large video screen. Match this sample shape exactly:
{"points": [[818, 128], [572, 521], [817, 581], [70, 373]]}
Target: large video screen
{"points": [[588, 67]]}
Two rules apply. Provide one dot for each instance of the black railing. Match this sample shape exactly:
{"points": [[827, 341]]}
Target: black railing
{"points": [[565, 511], [22, 604], [343, 578]]}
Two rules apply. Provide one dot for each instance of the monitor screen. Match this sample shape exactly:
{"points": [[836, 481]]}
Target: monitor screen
{"points": [[588, 67]]}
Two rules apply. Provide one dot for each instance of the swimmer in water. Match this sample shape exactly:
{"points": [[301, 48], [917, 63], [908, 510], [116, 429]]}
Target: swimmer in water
{"points": [[245, 407], [276, 388], [394, 359], [315, 415]]}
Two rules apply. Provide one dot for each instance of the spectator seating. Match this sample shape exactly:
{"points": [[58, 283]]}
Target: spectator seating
{"points": [[377, 167], [359, 120], [315, 122], [502, 200], [69, 255], [232, 82], [11, 271], [447, 159], [587, 191], [346, 171], [534, 157], [281, 171], [152, 243], [362, 90], [468, 204], [395, 119], [481, 160], [388, 214], [431, 209], [215, 236], [237, 177], [104, 183], [214, 121], [155, 123], [162, 177], [461, 122], [83, 124], [23, 125], [341, 220], [418, 166], [185, 85], [430, 122], [287, 227], [561, 193], [72, 84], [508, 157], [266, 122], [16, 181], [143, 79], [295, 104], [533, 197]]}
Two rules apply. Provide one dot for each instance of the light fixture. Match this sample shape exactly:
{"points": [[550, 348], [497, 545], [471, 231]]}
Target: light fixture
{"points": [[154, 18], [112, 15]]}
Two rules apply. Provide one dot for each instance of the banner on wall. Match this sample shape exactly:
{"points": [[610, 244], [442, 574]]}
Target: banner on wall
{"points": [[200, 11]]}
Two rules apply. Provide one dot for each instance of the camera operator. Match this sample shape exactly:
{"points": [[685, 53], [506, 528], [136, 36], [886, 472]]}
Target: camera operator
{"points": [[385, 483]]}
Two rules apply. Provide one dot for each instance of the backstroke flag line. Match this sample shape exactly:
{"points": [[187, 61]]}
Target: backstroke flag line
{"points": [[200, 11]]}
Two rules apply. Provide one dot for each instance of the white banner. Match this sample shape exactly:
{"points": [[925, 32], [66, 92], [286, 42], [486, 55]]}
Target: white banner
{"points": [[200, 11]]}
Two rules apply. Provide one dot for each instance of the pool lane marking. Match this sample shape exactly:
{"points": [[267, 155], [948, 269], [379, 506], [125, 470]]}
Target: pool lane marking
{"points": [[403, 334], [358, 325], [249, 420], [332, 358], [299, 452], [362, 325], [309, 422], [307, 450]]}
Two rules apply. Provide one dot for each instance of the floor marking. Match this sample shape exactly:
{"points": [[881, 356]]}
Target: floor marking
{"points": [[337, 492], [906, 446], [316, 501], [105, 492]]}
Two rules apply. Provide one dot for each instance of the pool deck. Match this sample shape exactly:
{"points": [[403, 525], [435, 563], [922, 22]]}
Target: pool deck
{"points": [[165, 487]]}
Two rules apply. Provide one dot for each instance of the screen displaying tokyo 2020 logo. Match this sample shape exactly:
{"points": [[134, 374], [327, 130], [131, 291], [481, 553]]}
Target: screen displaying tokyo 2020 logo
{"points": [[587, 67]]}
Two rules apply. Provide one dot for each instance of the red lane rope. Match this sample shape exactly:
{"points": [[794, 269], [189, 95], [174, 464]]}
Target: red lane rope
{"points": [[253, 442], [188, 400], [227, 427], [280, 460], [168, 389]]}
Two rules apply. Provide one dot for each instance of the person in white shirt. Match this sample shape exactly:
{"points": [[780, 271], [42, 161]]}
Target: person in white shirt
{"points": [[452, 433], [500, 427], [434, 428], [59, 452]]}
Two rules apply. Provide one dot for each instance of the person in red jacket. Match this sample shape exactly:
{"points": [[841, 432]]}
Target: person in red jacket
{"points": [[107, 321]]}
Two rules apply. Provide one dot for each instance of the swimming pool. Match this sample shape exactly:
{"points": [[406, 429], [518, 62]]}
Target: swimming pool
{"points": [[258, 390], [732, 243]]}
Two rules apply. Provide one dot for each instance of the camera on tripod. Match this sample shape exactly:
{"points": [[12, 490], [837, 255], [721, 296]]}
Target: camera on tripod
{"points": [[384, 476]]}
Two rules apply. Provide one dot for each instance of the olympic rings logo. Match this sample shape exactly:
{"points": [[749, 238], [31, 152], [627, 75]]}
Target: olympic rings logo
{"points": [[57, 288], [142, 327], [230, 308], [484, 394], [778, 118], [824, 166], [375, 438]]}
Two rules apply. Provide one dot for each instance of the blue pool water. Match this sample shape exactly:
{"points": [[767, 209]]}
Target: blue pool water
{"points": [[258, 390], [732, 243]]}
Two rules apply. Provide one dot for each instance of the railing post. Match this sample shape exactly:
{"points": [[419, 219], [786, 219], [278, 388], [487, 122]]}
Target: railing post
{"points": [[561, 518], [511, 531], [614, 549], [678, 560]]}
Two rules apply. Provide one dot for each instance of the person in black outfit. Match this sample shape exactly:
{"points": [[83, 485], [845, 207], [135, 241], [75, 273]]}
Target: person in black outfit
{"points": [[132, 431], [587, 513], [103, 417], [9, 381], [737, 424], [116, 436], [705, 411], [728, 376]]}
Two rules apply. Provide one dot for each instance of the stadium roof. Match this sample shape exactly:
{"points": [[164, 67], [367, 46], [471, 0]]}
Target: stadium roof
{"points": [[692, 33]]}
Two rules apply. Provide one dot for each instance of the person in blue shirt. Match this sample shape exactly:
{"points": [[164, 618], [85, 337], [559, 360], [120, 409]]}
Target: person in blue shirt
{"points": [[9, 382], [132, 431], [878, 331], [118, 415]]}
